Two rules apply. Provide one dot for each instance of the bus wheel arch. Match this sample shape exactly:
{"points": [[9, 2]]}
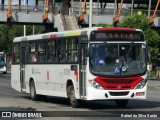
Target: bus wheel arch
{"points": [[69, 83], [32, 87], [5, 72], [71, 94]]}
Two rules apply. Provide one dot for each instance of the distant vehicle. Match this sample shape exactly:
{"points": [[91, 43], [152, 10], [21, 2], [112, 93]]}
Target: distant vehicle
{"points": [[87, 64], [3, 63]]}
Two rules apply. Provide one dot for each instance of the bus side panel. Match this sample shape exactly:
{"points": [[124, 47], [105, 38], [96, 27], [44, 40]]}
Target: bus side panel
{"points": [[63, 73], [43, 78], [15, 77], [51, 79]]}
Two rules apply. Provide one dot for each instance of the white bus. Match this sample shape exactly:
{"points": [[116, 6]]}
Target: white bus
{"points": [[87, 64], [3, 63]]}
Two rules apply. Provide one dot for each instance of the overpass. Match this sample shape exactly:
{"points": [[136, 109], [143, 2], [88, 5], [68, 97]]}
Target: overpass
{"points": [[104, 10], [24, 13], [35, 14]]}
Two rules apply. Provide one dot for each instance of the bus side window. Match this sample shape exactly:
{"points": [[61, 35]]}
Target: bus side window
{"points": [[41, 52], [32, 52], [16, 58], [34, 57], [50, 51], [72, 50], [62, 50], [62, 56]]}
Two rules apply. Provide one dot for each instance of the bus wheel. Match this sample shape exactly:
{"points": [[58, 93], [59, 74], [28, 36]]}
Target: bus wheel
{"points": [[5, 72], [72, 98], [33, 95], [121, 103]]}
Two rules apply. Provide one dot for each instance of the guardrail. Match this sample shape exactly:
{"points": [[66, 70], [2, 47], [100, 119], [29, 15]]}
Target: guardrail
{"points": [[109, 11], [25, 8], [75, 18]]}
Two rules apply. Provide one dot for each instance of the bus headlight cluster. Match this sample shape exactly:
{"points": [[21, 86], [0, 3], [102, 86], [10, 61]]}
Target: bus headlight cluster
{"points": [[95, 84], [141, 84]]}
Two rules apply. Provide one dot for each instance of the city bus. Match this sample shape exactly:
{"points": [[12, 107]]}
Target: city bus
{"points": [[89, 64], [3, 63]]}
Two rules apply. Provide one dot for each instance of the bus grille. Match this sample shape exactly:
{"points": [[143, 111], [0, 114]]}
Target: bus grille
{"points": [[118, 93], [118, 83]]}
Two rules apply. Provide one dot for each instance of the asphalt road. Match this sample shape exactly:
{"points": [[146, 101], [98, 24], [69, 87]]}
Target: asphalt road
{"points": [[58, 108]]}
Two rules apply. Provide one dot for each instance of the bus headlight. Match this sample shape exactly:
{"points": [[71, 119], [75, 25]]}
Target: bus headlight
{"points": [[95, 84], [141, 84]]}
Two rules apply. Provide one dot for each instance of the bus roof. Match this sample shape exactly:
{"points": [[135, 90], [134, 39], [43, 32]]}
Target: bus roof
{"points": [[85, 31]]}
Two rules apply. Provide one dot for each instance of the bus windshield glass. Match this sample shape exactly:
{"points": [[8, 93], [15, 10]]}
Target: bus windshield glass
{"points": [[2, 60], [117, 59]]}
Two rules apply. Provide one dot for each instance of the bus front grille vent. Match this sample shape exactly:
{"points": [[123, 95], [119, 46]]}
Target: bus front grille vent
{"points": [[119, 93]]}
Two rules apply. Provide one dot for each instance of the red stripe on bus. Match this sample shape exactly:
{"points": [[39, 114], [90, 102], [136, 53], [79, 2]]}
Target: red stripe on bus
{"points": [[117, 29], [118, 83], [76, 74], [53, 36]]}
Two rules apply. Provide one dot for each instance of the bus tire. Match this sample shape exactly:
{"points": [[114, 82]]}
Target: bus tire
{"points": [[121, 103], [72, 98], [33, 95], [5, 72]]}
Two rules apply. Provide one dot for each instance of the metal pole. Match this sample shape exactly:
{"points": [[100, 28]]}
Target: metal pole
{"points": [[33, 29], [80, 9], [72, 3], [90, 14], [149, 8], [115, 1], [24, 31], [132, 7], [97, 7]]}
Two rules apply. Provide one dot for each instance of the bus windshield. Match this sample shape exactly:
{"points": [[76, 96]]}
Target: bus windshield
{"points": [[2, 60], [117, 59]]}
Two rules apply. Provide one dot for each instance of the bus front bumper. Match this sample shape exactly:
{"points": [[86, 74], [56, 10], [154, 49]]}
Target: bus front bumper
{"points": [[3, 69], [96, 94]]}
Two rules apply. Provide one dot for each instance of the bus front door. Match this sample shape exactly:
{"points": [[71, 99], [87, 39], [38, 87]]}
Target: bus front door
{"points": [[22, 66], [82, 68]]}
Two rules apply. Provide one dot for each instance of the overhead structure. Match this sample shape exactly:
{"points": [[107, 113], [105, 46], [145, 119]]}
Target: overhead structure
{"points": [[46, 10], [9, 11], [83, 10], [151, 20], [116, 18]]}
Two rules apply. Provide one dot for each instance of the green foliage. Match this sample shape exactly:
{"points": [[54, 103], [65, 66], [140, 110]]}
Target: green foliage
{"points": [[9, 32], [152, 73], [141, 22], [102, 25], [4, 37], [135, 21]]}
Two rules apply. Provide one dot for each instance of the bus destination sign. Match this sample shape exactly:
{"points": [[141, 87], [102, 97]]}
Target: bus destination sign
{"points": [[117, 35]]}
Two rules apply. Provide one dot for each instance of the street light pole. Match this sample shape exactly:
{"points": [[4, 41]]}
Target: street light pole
{"points": [[90, 14], [149, 8], [24, 31], [132, 7]]}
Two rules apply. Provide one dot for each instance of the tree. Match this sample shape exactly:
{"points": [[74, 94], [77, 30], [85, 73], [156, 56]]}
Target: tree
{"points": [[9, 32], [4, 39], [140, 21], [102, 25]]}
